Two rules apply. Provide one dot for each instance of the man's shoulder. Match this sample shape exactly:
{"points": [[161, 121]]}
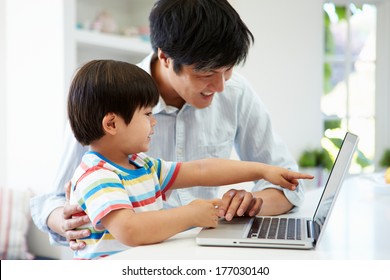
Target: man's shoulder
{"points": [[238, 84], [237, 80], [238, 89]]}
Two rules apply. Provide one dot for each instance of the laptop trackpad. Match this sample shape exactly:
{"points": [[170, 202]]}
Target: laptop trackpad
{"points": [[233, 229], [236, 224]]}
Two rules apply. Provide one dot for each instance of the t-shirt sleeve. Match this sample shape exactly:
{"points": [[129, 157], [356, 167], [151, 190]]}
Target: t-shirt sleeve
{"points": [[100, 192], [167, 172]]}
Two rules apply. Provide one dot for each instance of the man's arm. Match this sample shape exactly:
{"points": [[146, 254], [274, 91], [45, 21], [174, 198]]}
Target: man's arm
{"points": [[274, 202], [46, 209], [63, 220], [267, 202]]}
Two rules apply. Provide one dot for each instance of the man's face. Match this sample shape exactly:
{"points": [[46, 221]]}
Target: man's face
{"points": [[198, 87]]}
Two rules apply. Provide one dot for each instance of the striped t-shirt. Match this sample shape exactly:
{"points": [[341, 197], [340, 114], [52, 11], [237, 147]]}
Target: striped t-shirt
{"points": [[100, 186]]}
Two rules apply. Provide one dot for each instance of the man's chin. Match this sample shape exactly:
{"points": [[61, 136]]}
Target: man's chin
{"points": [[205, 102]]}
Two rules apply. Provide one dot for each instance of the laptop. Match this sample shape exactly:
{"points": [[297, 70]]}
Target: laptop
{"points": [[284, 231]]}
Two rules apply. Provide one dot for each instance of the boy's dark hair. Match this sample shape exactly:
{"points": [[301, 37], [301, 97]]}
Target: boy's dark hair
{"points": [[208, 34], [107, 86]]}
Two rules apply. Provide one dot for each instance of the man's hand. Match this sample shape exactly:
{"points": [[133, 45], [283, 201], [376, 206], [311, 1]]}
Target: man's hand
{"points": [[74, 217], [239, 203]]}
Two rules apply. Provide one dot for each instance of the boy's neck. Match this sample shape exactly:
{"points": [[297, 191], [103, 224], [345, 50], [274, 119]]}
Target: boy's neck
{"points": [[113, 156]]}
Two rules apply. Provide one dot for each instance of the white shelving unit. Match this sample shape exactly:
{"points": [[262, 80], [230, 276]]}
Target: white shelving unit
{"points": [[90, 43], [97, 45], [112, 42]]}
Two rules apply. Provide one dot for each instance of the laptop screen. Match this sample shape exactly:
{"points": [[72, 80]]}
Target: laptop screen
{"points": [[336, 176]]}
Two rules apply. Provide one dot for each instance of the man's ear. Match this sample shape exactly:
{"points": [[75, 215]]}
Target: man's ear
{"points": [[108, 123], [164, 59]]}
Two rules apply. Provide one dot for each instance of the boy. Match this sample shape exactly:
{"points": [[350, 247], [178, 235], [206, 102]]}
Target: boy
{"points": [[120, 188]]}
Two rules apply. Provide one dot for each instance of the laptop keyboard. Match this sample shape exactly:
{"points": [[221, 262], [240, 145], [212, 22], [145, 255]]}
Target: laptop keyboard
{"points": [[276, 228]]}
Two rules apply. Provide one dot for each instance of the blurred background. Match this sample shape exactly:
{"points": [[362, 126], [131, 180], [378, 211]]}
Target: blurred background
{"points": [[321, 68]]}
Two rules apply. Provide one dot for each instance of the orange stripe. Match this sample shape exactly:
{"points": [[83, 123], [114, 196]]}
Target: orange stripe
{"points": [[90, 170], [109, 209], [146, 201]]}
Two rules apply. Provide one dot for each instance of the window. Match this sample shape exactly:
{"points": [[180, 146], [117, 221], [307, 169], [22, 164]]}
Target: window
{"points": [[350, 68]]}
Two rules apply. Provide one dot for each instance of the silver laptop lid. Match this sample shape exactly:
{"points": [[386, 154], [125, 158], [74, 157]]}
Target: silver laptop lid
{"points": [[333, 184]]}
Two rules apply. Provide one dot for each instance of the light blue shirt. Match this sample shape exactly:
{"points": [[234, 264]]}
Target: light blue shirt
{"points": [[236, 118]]}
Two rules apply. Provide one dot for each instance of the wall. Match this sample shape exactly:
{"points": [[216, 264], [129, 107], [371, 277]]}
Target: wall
{"points": [[34, 115], [3, 170], [382, 121], [285, 65]]}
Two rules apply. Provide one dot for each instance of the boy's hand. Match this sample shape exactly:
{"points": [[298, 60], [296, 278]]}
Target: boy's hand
{"points": [[239, 203], [284, 177], [206, 212]]}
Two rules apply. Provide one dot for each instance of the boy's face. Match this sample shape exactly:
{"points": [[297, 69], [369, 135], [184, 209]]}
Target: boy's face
{"points": [[198, 87], [137, 134]]}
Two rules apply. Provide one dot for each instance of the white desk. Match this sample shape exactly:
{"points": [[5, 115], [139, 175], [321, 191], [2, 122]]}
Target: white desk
{"points": [[359, 229]]}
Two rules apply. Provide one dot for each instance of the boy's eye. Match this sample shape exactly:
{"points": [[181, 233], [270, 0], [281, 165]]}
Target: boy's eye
{"points": [[149, 114]]}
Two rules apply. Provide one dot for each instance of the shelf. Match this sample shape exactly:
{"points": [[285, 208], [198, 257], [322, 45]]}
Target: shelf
{"points": [[112, 41]]}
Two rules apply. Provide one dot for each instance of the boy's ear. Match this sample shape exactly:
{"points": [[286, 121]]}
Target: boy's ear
{"points": [[108, 123]]}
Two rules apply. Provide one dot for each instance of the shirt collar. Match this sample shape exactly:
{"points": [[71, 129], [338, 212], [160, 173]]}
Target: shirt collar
{"points": [[163, 107]]}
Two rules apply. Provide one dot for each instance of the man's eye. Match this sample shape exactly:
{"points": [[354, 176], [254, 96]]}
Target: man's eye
{"points": [[149, 114]]}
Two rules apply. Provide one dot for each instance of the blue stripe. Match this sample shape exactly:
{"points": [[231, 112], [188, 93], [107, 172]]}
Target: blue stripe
{"points": [[104, 206], [169, 176], [94, 255], [101, 187], [158, 168], [134, 175], [145, 196]]}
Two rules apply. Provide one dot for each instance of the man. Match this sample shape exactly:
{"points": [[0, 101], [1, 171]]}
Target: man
{"points": [[205, 110]]}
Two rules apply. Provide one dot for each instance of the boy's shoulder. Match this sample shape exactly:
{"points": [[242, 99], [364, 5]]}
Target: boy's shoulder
{"points": [[91, 162]]}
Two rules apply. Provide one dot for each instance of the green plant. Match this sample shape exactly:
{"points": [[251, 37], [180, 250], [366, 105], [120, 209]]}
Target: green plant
{"points": [[316, 158], [333, 144], [385, 159]]}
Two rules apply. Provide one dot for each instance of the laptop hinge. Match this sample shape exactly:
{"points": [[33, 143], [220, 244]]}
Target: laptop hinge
{"points": [[310, 229]]}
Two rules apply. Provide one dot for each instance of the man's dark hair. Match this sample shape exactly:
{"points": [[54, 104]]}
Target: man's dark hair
{"points": [[208, 34], [107, 86]]}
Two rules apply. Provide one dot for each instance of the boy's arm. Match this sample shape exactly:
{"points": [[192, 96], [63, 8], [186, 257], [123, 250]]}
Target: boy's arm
{"points": [[134, 229], [215, 172]]}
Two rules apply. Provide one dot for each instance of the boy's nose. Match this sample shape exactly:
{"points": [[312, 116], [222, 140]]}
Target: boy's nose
{"points": [[153, 121]]}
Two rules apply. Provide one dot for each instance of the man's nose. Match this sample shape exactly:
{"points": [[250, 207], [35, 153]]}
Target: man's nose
{"points": [[218, 83]]}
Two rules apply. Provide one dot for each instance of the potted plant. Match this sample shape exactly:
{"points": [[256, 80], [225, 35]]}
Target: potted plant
{"points": [[385, 163], [317, 162]]}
